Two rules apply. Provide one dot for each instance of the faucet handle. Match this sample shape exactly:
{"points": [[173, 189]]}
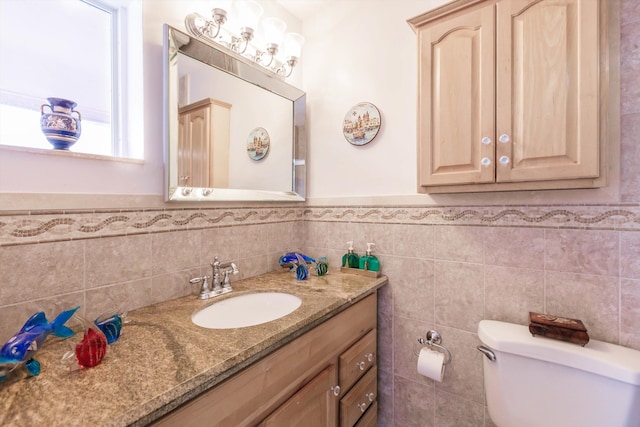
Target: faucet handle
{"points": [[205, 289], [205, 283], [226, 283]]}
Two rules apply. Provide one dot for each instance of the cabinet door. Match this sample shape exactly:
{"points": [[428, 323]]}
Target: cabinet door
{"points": [[457, 100], [547, 90], [314, 405], [199, 134]]}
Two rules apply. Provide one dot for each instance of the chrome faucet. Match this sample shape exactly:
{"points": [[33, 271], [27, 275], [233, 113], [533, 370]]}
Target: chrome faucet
{"points": [[217, 287], [225, 269]]}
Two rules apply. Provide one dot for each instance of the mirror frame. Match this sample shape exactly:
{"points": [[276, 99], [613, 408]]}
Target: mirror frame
{"points": [[221, 58]]}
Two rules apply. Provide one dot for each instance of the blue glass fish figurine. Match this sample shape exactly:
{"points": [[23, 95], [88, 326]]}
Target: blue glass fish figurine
{"points": [[21, 348], [298, 261], [291, 258], [110, 324]]}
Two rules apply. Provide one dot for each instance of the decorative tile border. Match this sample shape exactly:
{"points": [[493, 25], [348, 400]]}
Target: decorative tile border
{"points": [[28, 228], [612, 217], [36, 227]]}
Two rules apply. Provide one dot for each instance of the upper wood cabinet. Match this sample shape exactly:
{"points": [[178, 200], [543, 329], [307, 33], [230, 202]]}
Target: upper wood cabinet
{"points": [[203, 144], [513, 95]]}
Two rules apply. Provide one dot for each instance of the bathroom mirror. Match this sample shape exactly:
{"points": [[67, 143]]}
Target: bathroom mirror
{"points": [[233, 131]]}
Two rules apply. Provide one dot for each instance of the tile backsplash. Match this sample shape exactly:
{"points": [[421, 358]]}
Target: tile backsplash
{"points": [[105, 260], [448, 268]]}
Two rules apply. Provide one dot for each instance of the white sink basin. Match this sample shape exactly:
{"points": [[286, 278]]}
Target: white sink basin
{"points": [[246, 310]]}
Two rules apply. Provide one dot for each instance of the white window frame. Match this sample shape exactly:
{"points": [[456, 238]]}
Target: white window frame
{"points": [[126, 119]]}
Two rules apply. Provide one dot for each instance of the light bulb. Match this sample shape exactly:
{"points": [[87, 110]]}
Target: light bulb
{"points": [[292, 46], [274, 30], [249, 13]]}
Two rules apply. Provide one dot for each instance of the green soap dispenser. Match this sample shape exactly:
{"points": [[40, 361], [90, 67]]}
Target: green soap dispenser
{"points": [[369, 261], [350, 259]]}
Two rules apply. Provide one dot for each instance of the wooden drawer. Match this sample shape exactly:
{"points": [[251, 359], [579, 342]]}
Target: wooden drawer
{"points": [[357, 360], [370, 418], [359, 399]]}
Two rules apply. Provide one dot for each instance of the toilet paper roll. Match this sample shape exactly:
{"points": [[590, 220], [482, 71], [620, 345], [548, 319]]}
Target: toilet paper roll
{"points": [[431, 364]]}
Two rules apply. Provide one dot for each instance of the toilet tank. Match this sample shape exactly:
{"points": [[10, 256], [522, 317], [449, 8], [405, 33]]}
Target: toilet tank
{"points": [[541, 382]]}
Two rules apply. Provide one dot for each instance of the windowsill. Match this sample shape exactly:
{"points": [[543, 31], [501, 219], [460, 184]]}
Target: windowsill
{"points": [[64, 153]]}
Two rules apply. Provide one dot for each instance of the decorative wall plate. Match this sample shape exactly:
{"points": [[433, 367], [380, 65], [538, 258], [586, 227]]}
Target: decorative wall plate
{"points": [[361, 124], [258, 144]]}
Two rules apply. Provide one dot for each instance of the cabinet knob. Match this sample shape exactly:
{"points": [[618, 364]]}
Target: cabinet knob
{"points": [[504, 138], [369, 356], [485, 140], [504, 160], [485, 161], [362, 406], [336, 390], [370, 396], [361, 365]]}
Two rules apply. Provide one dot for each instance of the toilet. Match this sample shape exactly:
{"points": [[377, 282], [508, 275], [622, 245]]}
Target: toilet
{"points": [[541, 382]]}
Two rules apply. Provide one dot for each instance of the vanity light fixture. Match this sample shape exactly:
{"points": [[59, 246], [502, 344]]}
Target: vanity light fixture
{"points": [[248, 14], [274, 32]]}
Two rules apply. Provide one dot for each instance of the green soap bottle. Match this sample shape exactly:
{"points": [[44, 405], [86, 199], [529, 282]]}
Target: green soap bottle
{"points": [[369, 261], [350, 259]]}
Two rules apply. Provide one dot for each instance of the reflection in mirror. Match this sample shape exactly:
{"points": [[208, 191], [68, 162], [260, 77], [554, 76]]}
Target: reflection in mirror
{"points": [[232, 130]]}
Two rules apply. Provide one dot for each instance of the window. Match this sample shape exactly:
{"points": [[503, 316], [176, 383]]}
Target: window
{"points": [[90, 54]]}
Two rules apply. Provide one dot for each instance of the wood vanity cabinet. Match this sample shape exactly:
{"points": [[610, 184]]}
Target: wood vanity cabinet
{"points": [[203, 144], [513, 95], [324, 378]]}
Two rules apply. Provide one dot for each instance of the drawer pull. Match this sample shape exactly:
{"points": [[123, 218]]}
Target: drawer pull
{"points": [[336, 390], [370, 396], [369, 357], [361, 365], [362, 406]]}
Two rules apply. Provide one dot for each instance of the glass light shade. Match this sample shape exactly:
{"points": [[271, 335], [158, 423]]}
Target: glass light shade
{"points": [[249, 13], [274, 30], [292, 45]]}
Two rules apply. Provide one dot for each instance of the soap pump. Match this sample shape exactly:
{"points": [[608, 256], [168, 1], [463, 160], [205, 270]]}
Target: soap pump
{"points": [[350, 259], [369, 261]]}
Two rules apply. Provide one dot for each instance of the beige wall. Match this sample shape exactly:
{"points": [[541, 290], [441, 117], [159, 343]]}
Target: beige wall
{"points": [[448, 266]]}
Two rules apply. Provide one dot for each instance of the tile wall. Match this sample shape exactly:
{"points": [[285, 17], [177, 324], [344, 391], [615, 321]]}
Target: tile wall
{"points": [[448, 268], [103, 260], [449, 277]]}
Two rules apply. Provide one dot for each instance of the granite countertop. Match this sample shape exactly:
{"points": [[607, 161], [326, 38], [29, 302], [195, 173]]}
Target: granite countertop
{"points": [[163, 360]]}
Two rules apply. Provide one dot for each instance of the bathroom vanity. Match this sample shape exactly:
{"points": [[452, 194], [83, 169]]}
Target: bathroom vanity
{"points": [[326, 374], [318, 362]]}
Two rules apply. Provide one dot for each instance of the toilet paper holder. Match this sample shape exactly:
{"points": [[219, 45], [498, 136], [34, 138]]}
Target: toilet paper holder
{"points": [[433, 339]]}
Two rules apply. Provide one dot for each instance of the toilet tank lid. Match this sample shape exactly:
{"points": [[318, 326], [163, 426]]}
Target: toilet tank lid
{"points": [[598, 357]]}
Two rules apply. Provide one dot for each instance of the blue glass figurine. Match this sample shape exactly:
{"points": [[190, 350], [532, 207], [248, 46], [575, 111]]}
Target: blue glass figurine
{"points": [[21, 347]]}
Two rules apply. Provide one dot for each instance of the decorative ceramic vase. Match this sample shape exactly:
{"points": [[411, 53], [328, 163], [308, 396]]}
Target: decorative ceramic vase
{"points": [[59, 125]]}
